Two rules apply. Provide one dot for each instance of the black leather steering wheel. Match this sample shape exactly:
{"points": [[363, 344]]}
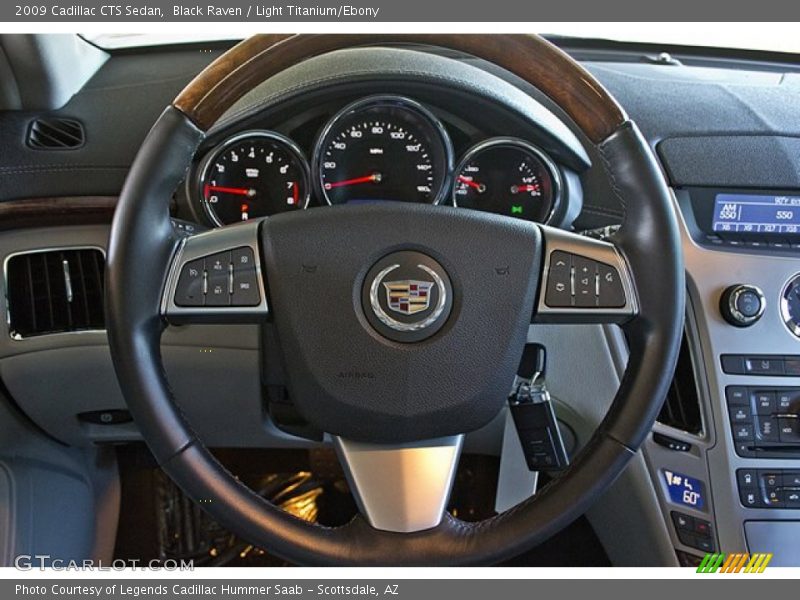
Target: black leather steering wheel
{"points": [[390, 394]]}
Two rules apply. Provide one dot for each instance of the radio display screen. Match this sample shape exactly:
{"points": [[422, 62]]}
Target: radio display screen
{"points": [[756, 213]]}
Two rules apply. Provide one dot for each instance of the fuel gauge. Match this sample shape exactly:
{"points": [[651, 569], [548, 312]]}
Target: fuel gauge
{"points": [[508, 176]]}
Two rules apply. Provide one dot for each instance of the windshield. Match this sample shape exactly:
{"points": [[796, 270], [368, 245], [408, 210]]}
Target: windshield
{"points": [[774, 37]]}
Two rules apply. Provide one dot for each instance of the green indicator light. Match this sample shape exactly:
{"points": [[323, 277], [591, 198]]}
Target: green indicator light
{"points": [[516, 209]]}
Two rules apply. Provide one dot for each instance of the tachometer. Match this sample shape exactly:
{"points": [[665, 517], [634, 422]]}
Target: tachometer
{"points": [[253, 174], [383, 148], [510, 177]]}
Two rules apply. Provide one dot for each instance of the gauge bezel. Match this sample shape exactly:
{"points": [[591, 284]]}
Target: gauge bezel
{"points": [[786, 317], [488, 144], [391, 100], [216, 151]]}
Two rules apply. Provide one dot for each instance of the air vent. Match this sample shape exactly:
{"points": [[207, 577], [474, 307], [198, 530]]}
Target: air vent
{"points": [[681, 409], [55, 134], [55, 291]]}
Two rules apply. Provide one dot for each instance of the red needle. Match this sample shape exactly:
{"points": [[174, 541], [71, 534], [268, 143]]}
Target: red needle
{"points": [[227, 190], [375, 177], [469, 182], [528, 188], [295, 193]]}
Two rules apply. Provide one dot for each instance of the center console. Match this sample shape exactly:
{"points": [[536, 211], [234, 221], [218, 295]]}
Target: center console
{"points": [[742, 255]]}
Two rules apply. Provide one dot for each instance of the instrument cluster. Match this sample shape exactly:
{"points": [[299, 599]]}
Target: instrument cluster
{"points": [[376, 149]]}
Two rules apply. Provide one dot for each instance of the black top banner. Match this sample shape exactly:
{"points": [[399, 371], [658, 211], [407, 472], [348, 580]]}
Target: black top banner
{"points": [[384, 11]]}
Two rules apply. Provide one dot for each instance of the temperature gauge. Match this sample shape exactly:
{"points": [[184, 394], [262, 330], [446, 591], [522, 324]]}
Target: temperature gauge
{"points": [[254, 174], [509, 177]]}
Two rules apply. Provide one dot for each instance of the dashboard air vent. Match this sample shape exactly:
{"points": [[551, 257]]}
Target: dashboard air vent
{"points": [[681, 408], [55, 291], [55, 134]]}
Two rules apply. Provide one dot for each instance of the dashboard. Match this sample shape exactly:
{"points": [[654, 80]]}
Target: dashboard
{"points": [[379, 147]]}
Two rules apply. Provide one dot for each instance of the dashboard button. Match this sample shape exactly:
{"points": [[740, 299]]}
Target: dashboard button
{"points": [[189, 290], [245, 281], [732, 364], [610, 291], [789, 430], [683, 522], [766, 428], [737, 395], [741, 414], [749, 497], [743, 433], [786, 401], [747, 478], [765, 402], [763, 365], [791, 366], [218, 289], [791, 479], [558, 293]]}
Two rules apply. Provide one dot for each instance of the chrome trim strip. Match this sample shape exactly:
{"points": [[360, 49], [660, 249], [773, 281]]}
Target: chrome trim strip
{"points": [[404, 487]]}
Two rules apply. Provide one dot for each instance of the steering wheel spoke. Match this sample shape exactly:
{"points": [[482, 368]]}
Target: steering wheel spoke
{"points": [[403, 487], [216, 277], [584, 280]]}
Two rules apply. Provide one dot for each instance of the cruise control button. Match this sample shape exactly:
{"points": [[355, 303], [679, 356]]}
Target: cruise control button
{"points": [[558, 293], [189, 290], [611, 294], [245, 279], [218, 268]]}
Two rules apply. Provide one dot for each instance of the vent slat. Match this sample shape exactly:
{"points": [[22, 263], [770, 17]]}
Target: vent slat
{"points": [[681, 408], [55, 133], [38, 300]]}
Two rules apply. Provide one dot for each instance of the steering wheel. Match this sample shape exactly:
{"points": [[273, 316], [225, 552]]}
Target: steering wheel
{"points": [[395, 389]]}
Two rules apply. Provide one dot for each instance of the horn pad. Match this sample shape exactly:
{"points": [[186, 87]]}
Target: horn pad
{"points": [[400, 322]]}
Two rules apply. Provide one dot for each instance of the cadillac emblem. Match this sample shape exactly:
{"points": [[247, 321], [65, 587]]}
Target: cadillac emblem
{"points": [[409, 296]]}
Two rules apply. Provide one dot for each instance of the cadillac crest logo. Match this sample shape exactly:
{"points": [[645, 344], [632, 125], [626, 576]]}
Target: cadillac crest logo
{"points": [[409, 296]]}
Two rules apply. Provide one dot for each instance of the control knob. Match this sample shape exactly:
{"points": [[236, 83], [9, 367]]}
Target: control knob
{"points": [[742, 305]]}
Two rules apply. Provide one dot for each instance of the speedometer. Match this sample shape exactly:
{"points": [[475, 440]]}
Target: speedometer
{"points": [[383, 148]]}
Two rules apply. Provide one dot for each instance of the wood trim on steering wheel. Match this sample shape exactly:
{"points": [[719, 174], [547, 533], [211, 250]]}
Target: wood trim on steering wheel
{"points": [[532, 58]]}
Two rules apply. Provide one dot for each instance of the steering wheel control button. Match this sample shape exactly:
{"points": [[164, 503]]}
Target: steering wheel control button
{"points": [[559, 281], [189, 290], [574, 281], [584, 277], [245, 281], [218, 267], [407, 296], [610, 293], [742, 305]]}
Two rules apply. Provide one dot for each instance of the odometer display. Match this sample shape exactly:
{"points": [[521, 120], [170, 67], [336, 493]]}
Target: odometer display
{"points": [[254, 174], [509, 177], [383, 148]]}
